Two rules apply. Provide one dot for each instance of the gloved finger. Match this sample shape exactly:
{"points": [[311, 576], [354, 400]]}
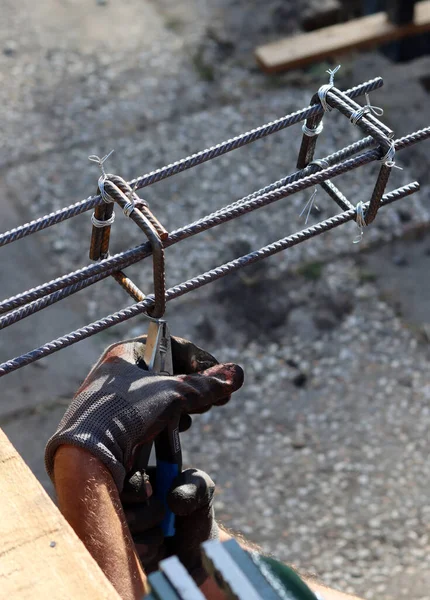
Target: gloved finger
{"points": [[189, 358], [141, 517], [149, 541], [150, 562], [192, 490], [210, 387], [150, 549], [185, 422], [205, 409], [137, 488]]}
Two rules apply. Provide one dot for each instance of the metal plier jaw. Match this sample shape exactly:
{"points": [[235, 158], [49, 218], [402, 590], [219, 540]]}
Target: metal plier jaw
{"points": [[158, 359], [158, 348]]}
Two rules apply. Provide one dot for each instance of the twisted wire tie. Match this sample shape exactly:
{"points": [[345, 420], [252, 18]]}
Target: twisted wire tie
{"points": [[99, 223], [309, 204], [129, 208], [388, 158], [131, 205], [360, 220], [322, 164], [364, 110], [104, 194], [324, 89], [103, 177], [312, 132]]}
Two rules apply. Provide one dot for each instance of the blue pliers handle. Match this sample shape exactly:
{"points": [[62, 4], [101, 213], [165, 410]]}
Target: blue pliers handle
{"points": [[158, 358]]}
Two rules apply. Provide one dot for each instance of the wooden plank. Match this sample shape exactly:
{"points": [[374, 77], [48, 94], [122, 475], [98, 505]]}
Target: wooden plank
{"points": [[300, 50], [40, 555]]}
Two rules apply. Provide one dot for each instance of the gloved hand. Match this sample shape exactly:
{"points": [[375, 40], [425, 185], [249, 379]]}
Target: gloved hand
{"points": [[121, 406], [144, 513], [191, 499]]}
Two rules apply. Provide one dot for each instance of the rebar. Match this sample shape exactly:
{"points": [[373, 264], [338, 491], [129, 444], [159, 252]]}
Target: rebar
{"points": [[93, 273], [182, 165], [115, 190], [193, 284]]}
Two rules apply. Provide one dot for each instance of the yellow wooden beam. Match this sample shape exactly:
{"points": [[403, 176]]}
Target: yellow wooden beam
{"points": [[40, 555], [300, 50]]}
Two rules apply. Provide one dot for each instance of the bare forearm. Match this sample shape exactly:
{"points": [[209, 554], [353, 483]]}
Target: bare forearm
{"points": [[89, 500]]}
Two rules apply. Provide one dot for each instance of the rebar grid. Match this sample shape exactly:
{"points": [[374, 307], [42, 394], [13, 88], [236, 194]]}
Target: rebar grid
{"points": [[182, 165], [115, 189], [193, 284]]}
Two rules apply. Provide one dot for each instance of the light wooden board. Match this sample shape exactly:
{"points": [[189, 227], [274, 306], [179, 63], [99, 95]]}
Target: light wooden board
{"points": [[300, 50], [40, 556]]}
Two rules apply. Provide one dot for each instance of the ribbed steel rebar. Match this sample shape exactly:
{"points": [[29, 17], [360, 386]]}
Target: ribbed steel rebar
{"points": [[130, 287], [336, 195], [192, 284], [182, 165], [247, 138], [273, 192], [132, 256], [336, 100], [154, 239]]}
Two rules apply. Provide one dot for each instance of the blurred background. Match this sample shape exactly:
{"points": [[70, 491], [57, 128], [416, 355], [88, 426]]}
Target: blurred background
{"points": [[322, 458]]}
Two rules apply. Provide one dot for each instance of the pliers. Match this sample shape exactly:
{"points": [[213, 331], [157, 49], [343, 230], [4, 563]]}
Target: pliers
{"points": [[158, 359]]}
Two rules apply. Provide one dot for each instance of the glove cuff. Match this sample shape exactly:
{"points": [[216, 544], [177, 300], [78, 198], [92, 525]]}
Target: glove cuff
{"points": [[98, 450], [107, 435]]}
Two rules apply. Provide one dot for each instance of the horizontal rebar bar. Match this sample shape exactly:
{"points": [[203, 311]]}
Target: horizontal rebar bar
{"points": [[193, 284], [129, 257], [93, 273], [182, 165]]}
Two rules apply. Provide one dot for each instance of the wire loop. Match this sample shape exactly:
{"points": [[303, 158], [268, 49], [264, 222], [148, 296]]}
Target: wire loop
{"points": [[312, 132], [360, 220], [324, 89], [366, 109], [309, 204], [129, 208], [322, 163], [99, 223], [388, 158], [100, 161], [104, 194]]}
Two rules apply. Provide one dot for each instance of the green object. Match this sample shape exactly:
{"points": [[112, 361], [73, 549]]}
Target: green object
{"points": [[240, 574], [247, 565], [283, 578], [246, 575]]}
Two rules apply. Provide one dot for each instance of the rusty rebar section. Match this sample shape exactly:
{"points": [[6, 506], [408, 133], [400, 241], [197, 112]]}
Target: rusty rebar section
{"points": [[187, 286], [347, 106], [378, 192], [130, 287], [100, 236], [126, 189], [158, 263], [367, 123]]}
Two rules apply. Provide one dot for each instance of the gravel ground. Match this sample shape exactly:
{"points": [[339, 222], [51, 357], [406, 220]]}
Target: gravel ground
{"points": [[330, 471]]}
